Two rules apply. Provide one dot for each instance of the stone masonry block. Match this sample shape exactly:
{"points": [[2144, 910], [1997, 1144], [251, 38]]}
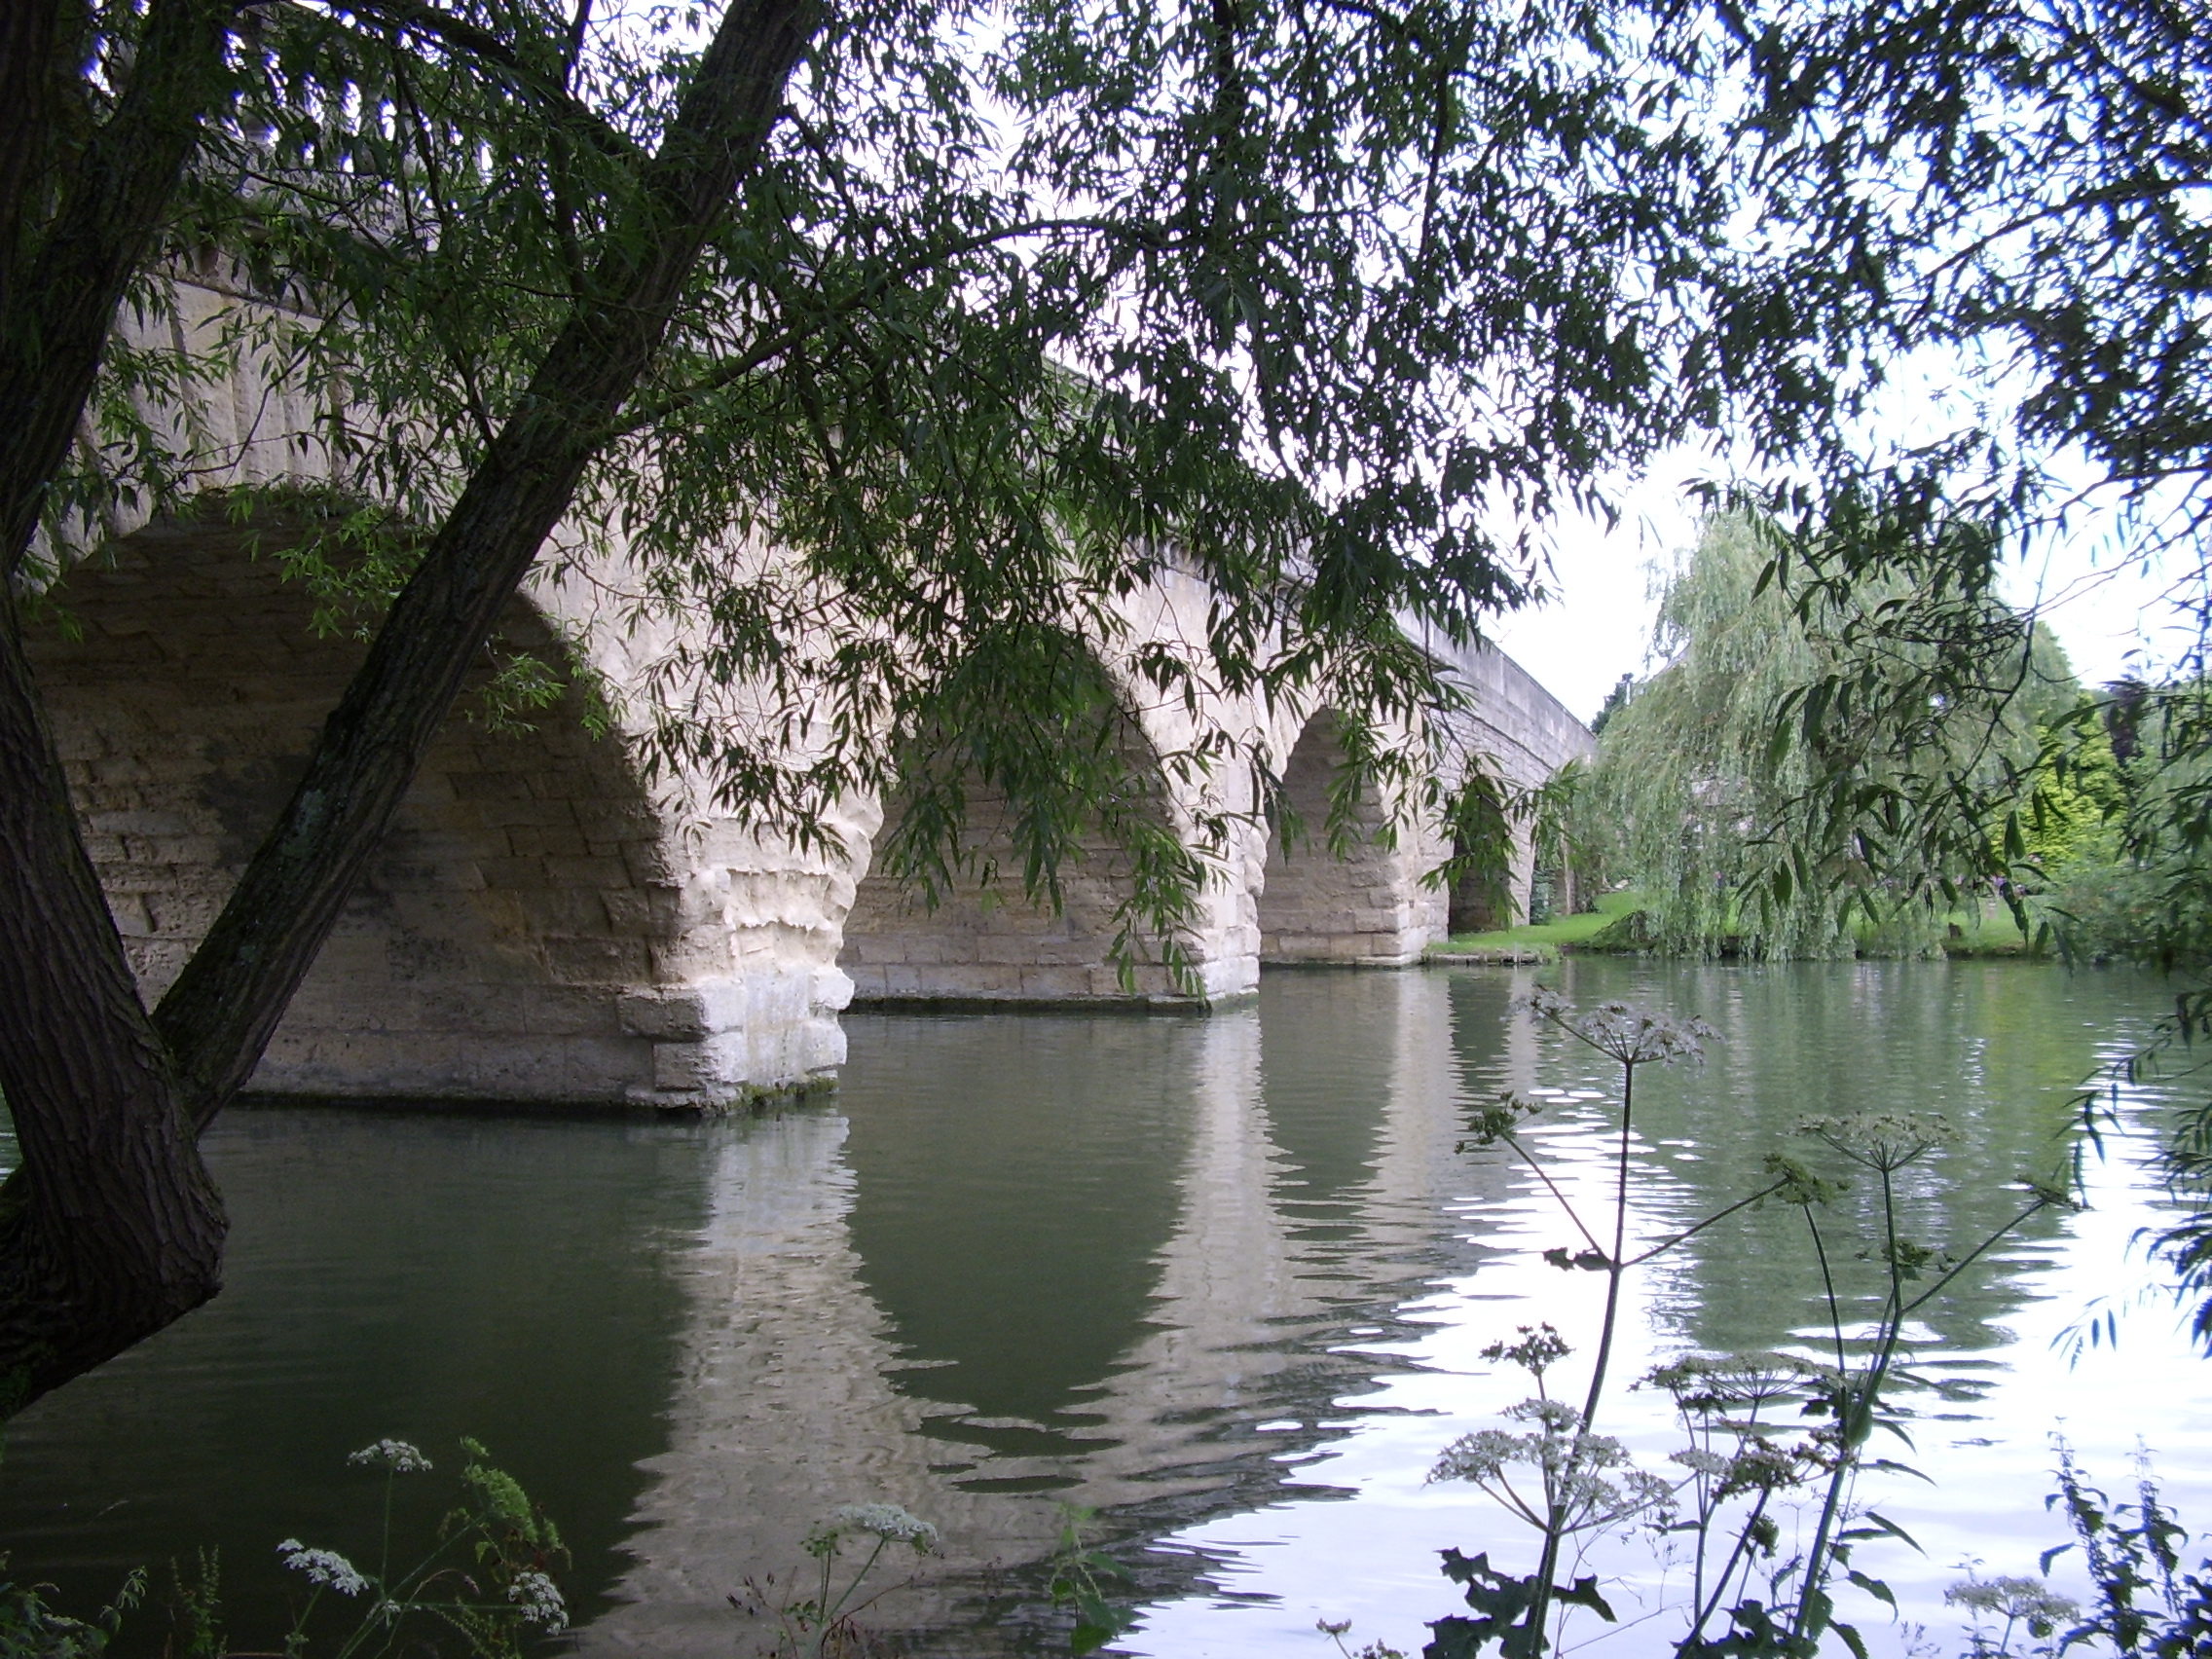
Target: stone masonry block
{"points": [[596, 961], [511, 872], [597, 873], [560, 841]]}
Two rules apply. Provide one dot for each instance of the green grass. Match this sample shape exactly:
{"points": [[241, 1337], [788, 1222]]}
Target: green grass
{"points": [[1549, 935], [1993, 932]]}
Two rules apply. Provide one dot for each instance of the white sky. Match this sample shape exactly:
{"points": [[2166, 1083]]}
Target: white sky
{"points": [[1598, 627]]}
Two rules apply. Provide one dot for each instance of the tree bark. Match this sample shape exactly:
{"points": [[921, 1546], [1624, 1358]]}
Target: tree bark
{"points": [[61, 305], [112, 1229], [27, 65]]}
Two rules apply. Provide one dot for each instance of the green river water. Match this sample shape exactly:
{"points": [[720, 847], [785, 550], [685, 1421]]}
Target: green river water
{"points": [[1225, 1280]]}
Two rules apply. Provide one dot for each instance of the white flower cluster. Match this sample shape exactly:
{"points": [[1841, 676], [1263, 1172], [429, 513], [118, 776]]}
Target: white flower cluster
{"points": [[540, 1599], [1586, 1477], [1759, 1465], [2027, 1600], [396, 1455], [886, 1521], [1629, 1034], [325, 1568], [1479, 1456], [1699, 1461], [1883, 1140]]}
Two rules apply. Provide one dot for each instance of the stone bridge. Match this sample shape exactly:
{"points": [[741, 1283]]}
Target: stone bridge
{"points": [[549, 923]]}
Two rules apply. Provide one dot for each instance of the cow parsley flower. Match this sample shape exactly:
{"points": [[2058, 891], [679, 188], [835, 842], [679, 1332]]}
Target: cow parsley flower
{"points": [[1478, 1457], [887, 1521], [1882, 1140], [396, 1455], [540, 1600], [325, 1568], [1587, 1479], [1631, 1035], [1699, 1461], [2025, 1600]]}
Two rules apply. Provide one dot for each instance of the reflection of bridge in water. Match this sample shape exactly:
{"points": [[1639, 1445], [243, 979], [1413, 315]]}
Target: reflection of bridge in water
{"points": [[952, 1301]]}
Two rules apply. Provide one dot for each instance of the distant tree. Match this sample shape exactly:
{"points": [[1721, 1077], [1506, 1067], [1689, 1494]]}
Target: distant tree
{"points": [[1623, 689], [2052, 161], [1711, 818]]}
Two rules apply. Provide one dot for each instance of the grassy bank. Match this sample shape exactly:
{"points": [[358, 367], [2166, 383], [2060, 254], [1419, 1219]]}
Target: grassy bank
{"points": [[1991, 934], [1547, 937]]}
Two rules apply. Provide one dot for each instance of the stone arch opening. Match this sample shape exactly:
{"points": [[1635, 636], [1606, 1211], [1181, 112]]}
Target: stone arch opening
{"points": [[517, 903], [991, 944], [1369, 906]]}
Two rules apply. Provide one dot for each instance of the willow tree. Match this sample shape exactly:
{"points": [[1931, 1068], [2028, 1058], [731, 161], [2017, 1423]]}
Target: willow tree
{"points": [[1773, 844]]}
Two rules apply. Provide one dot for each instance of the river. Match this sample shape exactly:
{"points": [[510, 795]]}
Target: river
{"points": [[1223, 1279]]}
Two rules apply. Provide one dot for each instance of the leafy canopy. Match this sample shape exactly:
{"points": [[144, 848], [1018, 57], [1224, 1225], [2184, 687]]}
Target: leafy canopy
{"points": [[1326, 304]]}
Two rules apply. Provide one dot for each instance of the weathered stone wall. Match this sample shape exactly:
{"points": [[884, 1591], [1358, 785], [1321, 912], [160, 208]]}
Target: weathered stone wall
{"points": [[1525, 735], [995, 945], [539, 926], [519, 895]]}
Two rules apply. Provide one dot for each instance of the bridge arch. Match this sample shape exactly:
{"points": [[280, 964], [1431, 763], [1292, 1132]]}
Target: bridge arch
{"points": [[1363, 902], [991, 944], [522, 897]]}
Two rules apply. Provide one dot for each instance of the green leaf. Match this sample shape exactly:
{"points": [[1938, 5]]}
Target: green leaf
{"points": [[1894, 1529], [1583, 1593], [1873, 1587]]}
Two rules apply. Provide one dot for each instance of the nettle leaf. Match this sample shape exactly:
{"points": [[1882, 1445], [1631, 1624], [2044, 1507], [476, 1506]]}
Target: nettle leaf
{"points": [[1583, 1593], [1873, 1587]]}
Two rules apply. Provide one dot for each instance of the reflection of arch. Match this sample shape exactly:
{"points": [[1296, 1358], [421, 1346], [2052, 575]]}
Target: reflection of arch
{"points": [[489, 948], [990, 942], [841, 1348], [1369, 906]]}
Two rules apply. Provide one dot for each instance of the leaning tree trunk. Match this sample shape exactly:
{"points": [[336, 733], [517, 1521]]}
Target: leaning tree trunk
{"points": [[65, 1284], [57, 308], [110, 1228]]}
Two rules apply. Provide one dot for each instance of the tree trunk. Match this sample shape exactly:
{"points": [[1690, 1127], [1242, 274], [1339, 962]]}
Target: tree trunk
{"points": [[111, 1228], [61, 304], [26, 68]]}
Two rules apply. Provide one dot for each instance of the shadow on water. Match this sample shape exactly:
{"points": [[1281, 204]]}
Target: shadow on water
{"points": [[390, 1274], [1154, 1267]]}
